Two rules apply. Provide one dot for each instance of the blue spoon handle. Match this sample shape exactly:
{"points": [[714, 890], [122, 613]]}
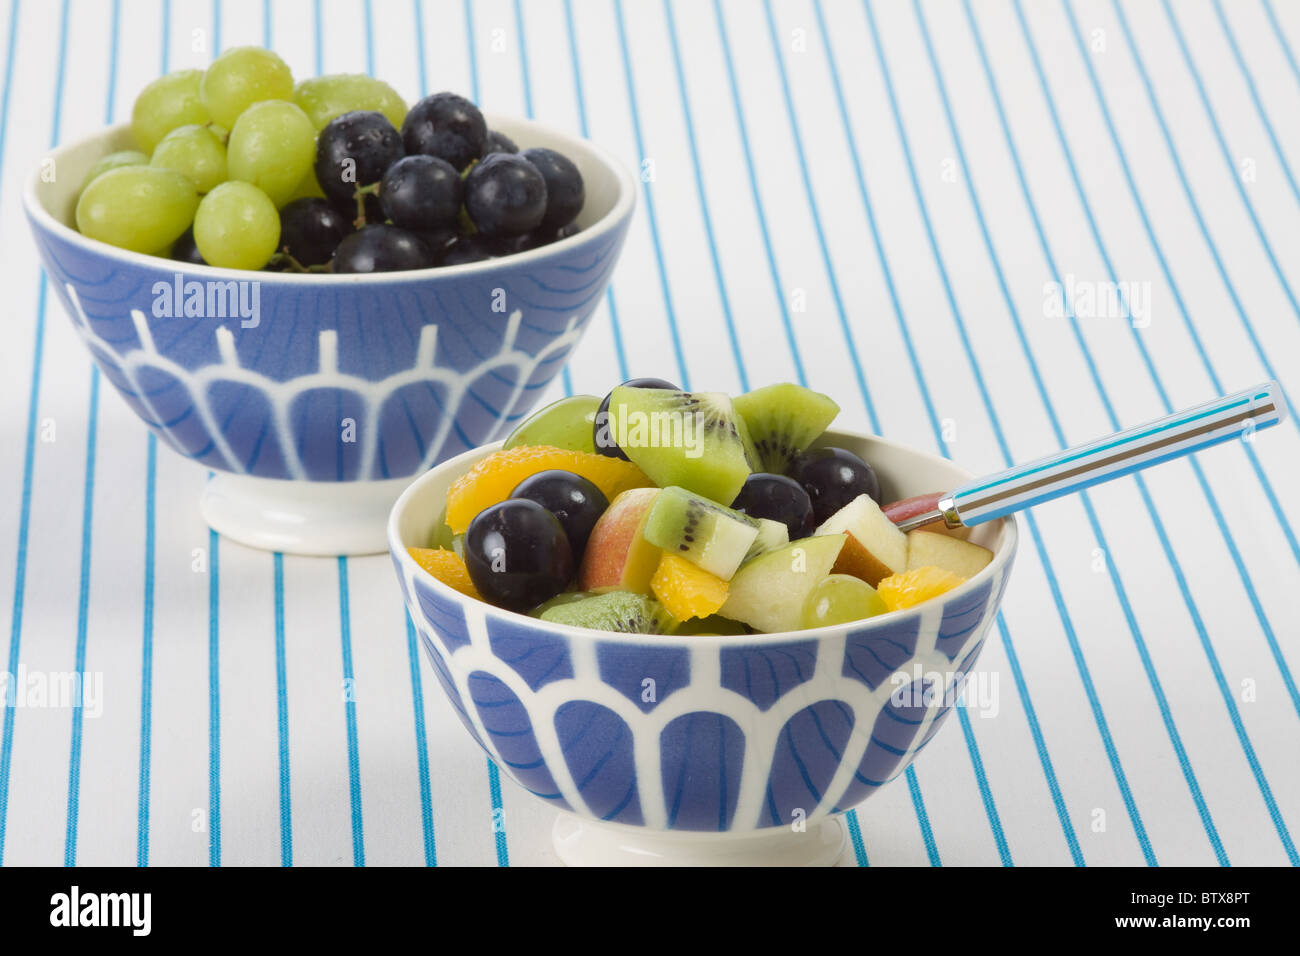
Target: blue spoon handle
{"points": [[1239, 415]]}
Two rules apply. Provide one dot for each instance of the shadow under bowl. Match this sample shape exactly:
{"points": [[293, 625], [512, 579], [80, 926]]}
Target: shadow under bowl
{"points": [[316, 397]]}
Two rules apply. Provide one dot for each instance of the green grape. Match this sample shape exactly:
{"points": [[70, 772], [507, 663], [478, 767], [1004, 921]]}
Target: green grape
{"points": [[169, 101], [241, 77], [137, 207], [236, 227], [324, 97], [273, 146], [124, 157], [194, 151], [841, 599], [567, 423]]}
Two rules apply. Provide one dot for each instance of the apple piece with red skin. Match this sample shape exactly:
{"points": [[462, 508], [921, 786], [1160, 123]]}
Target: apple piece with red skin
{"points": [[617, 555], [898, 511]]}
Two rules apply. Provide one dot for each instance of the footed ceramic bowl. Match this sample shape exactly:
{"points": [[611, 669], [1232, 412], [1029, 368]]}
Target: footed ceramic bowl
{"points": [[669, 750], [315, 398]]}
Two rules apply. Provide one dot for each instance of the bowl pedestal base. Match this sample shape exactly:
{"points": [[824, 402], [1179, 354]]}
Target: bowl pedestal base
{"points": [[581, 842], [320, 518]]}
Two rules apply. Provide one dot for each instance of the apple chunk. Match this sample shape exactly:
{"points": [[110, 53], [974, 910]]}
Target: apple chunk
{"points": [[900, 511], [617, 555], [874, 548], [768, 592], [941, 551]]}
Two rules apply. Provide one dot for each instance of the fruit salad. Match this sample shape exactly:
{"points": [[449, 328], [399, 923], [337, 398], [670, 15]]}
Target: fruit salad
{"points": [[660, 511], [237, 167]]}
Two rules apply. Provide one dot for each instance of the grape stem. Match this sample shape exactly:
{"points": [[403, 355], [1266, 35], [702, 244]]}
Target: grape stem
{"points": [[281, 258], [361, 193]]}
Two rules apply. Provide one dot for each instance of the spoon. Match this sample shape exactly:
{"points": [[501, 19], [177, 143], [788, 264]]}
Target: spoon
{"points": [[1239, 415]]}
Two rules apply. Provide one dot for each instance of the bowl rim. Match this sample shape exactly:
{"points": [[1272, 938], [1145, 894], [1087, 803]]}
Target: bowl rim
{"points": [[618, 214], [1002, 557]]}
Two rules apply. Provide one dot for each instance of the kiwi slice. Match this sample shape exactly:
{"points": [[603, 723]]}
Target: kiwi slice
{"points": [[620, 611], [701, 531], [564, 597], [783, 420], [771, 535], [695, 440]]}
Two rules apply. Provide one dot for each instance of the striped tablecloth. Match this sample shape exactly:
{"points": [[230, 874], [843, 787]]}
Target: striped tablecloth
{"points": [[889, 201]]}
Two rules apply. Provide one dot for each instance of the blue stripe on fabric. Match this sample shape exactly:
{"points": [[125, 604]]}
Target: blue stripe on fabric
{"points": [[87, 519], [214, 627], [214, 699], [1040, 744], [651, 216], [498, 814], [421, 746], [470, 45], [918, 804], [350, 717], [146, 651], [150, 559], [855, 838], [412, 644], [1281, 39], [1039, 545], [83, 621], [423, 72], [582, 127], [282, 716], [38, 348]]}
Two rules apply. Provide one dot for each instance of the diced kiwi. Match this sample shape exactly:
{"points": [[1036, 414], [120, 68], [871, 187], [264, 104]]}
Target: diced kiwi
{"points": [[701, 531], [564, 597], [695, 440], [771, 535], [783, 420], [620, 611]]}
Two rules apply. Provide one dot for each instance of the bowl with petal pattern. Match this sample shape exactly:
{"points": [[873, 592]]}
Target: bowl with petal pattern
{"points": [[674, 749], [314, 399]]}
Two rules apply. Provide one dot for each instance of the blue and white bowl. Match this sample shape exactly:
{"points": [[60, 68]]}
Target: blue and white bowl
{"points": [[677, 749], [315, 398]]}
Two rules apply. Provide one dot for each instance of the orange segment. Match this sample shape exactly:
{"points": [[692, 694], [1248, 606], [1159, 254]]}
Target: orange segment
{"points": [[910, 588], [492, 479], [686, 589], [447, 567]]}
